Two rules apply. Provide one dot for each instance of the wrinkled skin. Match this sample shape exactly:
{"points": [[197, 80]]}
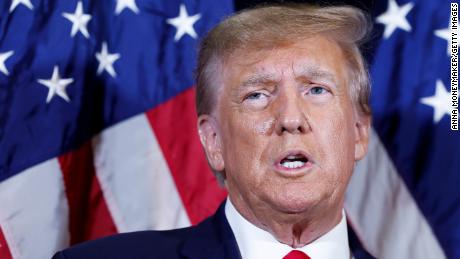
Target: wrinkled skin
{"points": [[290, 99]]}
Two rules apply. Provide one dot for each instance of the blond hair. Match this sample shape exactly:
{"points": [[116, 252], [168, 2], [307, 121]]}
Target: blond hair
{"points": [[268, 27]]}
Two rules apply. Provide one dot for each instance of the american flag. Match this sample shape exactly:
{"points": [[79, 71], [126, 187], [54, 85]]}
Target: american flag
{"points": [[98, 127], [404, 199], [97, 120]]}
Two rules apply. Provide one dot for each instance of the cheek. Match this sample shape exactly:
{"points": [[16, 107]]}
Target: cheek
{"points": [[245, 143], [337, 139], [264, 126], [247, 131]]}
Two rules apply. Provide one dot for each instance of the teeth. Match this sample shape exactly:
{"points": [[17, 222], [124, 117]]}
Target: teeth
{"points": [[293, 164]]}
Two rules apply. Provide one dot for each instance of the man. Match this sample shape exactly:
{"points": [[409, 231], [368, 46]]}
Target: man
{"points": [[283, 115]]}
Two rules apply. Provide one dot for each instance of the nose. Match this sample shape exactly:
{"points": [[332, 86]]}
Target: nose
{"points": [[292, 116]]}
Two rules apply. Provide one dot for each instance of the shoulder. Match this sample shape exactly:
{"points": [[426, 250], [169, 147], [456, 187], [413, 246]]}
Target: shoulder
{"points": [[212, 238], [142, 244]]}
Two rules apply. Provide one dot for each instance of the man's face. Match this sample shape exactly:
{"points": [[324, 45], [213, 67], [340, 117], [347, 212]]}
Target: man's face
{"points": [[285, 132]]}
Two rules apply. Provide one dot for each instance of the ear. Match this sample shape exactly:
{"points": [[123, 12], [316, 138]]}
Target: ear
{"points": [[362, 131], [211, 140]]}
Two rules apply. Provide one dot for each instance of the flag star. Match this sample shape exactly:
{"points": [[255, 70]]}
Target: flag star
{"points": [[445, 34], [122, 4], [56, 85], [395, 17], [3, 57], [439, 101], [15, 3], [106, 60], [184, 23], [79, 20]]}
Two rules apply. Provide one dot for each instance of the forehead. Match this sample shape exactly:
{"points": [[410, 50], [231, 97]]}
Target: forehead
{"points": [[316, 56]]}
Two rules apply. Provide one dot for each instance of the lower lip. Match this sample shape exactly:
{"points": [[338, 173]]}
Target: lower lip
{"points": [[294, 171]]}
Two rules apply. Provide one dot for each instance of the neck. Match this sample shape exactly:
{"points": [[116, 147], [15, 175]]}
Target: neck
{"points": [[294, 229]]}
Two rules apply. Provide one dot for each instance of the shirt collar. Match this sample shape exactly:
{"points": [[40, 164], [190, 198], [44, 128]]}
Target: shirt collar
{"points": [[255, 243]]}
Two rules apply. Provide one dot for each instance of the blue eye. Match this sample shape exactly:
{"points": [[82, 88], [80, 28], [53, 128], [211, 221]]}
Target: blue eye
{"points": [[317, 90], [256, 100], [254, 96]]}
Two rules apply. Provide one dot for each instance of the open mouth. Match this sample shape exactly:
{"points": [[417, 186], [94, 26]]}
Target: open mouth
{"points": [[294, 161]]}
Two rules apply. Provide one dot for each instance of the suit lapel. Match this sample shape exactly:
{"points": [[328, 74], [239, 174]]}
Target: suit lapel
{"points": [[212, 238], [356, 247]]}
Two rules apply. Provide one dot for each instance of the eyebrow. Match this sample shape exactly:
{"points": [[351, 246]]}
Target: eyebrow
{"points": [[311, 73], [316, 73], [258, 79]]}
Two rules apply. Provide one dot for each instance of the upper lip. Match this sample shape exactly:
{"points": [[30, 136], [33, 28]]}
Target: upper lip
{"points": [[285, 154]]}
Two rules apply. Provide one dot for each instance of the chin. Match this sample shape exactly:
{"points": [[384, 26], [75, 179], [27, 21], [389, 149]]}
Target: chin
{"points": [[295, 203]]}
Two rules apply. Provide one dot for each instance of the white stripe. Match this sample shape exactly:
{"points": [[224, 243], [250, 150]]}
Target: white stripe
{"points": [[34, 212], [386, 216], [135, 178]]}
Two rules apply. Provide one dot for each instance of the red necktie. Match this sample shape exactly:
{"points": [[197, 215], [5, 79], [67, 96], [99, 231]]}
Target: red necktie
{"points": [[296, 254]]}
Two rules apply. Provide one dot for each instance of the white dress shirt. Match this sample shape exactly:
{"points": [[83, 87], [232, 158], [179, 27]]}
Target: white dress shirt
{"points": [[256, 243]]}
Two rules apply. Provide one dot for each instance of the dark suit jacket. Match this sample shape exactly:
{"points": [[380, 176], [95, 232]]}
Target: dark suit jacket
{"points": [[212, 238]]}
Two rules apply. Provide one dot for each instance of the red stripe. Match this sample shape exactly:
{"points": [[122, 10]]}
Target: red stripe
{"points": [[174, 124], [89, 217], [4, 249]]}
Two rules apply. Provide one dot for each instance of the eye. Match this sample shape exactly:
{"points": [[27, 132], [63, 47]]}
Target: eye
{"points": [[317, 90], [256, 100], [255, 96]]}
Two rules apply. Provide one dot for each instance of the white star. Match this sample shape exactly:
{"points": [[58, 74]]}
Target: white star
{"points": [[79, 20], [445, 34], [56, 85], [395, 17], [3, 57], [15, 3], [106, 60], [122, 4], [440, 101], [184, 23]]}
